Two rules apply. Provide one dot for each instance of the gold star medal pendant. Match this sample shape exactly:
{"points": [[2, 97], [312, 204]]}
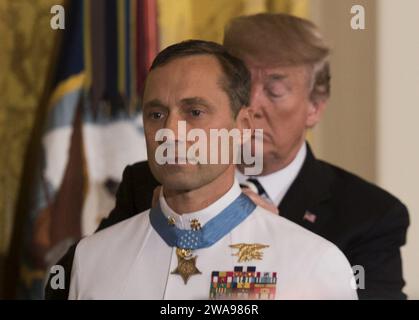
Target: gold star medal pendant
{"points": [[186, 264]]}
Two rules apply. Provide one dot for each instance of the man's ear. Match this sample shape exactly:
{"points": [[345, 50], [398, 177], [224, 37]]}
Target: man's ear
{"points": [[244, 120], [315, 112]]}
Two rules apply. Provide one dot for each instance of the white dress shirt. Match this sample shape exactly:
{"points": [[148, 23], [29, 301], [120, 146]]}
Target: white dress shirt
{"points": [[277, 184]]}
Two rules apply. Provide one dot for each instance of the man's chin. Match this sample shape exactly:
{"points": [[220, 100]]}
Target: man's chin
{"points": [[176, 167], [180, 182], [185, 176], [172, 174]]}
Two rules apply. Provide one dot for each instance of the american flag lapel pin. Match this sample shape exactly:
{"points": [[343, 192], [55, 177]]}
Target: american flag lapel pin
{"points": [[311, 217]]}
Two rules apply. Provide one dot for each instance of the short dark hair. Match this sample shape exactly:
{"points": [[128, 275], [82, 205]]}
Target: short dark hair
{"points": [[237, 79]]}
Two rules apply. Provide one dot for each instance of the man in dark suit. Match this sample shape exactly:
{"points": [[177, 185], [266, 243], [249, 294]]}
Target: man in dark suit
{"points": [[290, 88]]}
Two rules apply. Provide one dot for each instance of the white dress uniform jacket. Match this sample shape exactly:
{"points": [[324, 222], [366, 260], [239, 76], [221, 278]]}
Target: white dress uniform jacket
{"points": [[131, 261]]}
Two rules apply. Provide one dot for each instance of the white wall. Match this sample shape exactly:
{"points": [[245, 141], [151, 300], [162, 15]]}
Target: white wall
{"points": [[398, 118], [346, 134]]}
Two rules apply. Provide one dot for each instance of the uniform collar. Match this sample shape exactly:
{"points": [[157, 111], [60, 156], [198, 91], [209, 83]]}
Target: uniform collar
{"points": [[277, 184], [183, 221]]}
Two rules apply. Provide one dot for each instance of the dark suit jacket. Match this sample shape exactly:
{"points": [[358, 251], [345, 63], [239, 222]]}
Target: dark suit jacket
{"points": [[368, 224]]}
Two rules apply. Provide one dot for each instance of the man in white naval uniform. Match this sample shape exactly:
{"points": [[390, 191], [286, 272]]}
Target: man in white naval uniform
{"points": [[205, 238]]}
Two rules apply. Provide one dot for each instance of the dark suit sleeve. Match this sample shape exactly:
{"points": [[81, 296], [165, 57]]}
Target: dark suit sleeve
{"points": [[124, 208], [379, 254], [66, 262], [124, 204]]}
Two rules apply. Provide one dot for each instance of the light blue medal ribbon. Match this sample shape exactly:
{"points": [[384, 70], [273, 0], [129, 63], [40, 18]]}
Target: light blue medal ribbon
{"points": [[210, 233]]}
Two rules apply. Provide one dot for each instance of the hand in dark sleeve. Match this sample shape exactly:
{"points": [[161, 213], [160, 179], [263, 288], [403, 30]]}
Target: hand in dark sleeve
{"points": [[379, 254]]}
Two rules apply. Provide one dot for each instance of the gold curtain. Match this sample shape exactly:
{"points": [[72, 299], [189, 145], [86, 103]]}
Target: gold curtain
{"points": [[26, 43], [205, 19], [295, 7]]}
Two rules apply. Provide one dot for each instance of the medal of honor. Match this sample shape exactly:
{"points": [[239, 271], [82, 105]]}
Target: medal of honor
{"points": [[186, 264], [199, 236]]}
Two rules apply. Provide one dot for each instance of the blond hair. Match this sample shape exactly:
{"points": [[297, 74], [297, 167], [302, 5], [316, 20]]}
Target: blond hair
{"points": [[282, 40]]}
